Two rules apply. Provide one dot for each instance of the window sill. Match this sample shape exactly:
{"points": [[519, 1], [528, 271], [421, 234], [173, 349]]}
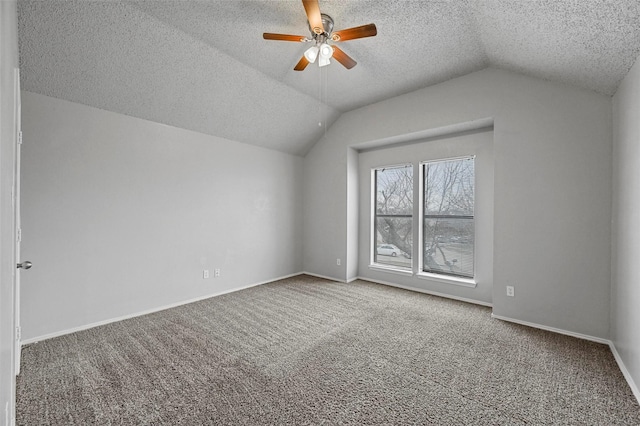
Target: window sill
{"points": [[464, 282], [382, 268]]}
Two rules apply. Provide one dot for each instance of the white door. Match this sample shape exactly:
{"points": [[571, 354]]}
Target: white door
{"points": [[16, 211]]}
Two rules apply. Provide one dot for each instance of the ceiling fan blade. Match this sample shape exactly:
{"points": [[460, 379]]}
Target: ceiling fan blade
{"points": [[343, 58], [313, 15], [283, 37], [302, 64], [362, 31]]}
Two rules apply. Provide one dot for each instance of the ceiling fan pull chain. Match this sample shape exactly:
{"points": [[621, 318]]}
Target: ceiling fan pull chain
{"points": [[326, 98]]}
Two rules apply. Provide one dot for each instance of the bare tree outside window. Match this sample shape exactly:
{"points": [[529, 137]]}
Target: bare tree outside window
{"points": [[448, 223], [393, 218]]}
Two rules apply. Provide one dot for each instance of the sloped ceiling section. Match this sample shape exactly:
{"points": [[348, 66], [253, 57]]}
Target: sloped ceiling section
{"points": [[113, 56], [586, 43], [203, 65]]}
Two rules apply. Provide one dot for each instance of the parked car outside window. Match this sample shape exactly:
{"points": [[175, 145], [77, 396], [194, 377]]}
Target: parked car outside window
{"points": [[388, 250]]}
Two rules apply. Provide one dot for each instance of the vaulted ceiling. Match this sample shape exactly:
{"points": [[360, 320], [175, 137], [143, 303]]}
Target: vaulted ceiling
{"points": [[204, 66]]}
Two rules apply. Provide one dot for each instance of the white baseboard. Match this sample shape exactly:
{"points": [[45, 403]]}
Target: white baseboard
{"points": [[433, 293], [148, 311], [625, 372], [324, 277], [553, 329]]}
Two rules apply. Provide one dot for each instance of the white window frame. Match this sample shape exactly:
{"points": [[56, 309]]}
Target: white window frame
{"points": [[373, 241], [417, 220], [445, 278]]}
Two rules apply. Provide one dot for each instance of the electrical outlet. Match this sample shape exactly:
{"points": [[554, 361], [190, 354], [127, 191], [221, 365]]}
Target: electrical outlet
{"points": [[216, 272], [205, 274], [510, 291], [338, 262]]}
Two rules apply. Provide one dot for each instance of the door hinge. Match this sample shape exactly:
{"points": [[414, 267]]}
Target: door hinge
{"points": [[18, 333], [19, 235], [20, 137]]}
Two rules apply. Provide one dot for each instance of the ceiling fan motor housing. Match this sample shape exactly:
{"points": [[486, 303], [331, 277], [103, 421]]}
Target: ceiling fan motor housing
{"points": [[327, 23]]}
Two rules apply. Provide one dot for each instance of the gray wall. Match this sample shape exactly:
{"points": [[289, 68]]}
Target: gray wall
{"points": [[353, 210], [625, 296], [480, 144], [122, 215], [552, 193], [8, 61]]}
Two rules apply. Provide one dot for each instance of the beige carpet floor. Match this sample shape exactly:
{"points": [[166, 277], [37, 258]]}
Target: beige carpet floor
{"points": [[305, 351]]}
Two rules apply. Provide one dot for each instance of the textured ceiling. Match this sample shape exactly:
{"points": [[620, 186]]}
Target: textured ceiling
{"points": [[203, 65]]}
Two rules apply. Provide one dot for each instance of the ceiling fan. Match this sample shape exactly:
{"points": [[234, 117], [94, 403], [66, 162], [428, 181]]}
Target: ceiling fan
{"points": [[321, 27]]}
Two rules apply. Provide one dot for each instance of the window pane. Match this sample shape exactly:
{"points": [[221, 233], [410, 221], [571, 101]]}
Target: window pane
{"points": [[449, 187], [448, 246], [393, 222], [448, 227], [394, 241], [394, 191]]}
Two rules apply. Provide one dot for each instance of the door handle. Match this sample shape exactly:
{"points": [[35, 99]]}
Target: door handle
{"points": [[25, 265]]}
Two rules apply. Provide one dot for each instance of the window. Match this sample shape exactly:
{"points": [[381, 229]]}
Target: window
{"points": [[448, 229], [393, 216], [445, 226]]}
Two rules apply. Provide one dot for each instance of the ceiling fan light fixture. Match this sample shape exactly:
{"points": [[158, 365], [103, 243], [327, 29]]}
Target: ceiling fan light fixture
{"points": [[311, 54], [326, 51], [323, 62]]}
